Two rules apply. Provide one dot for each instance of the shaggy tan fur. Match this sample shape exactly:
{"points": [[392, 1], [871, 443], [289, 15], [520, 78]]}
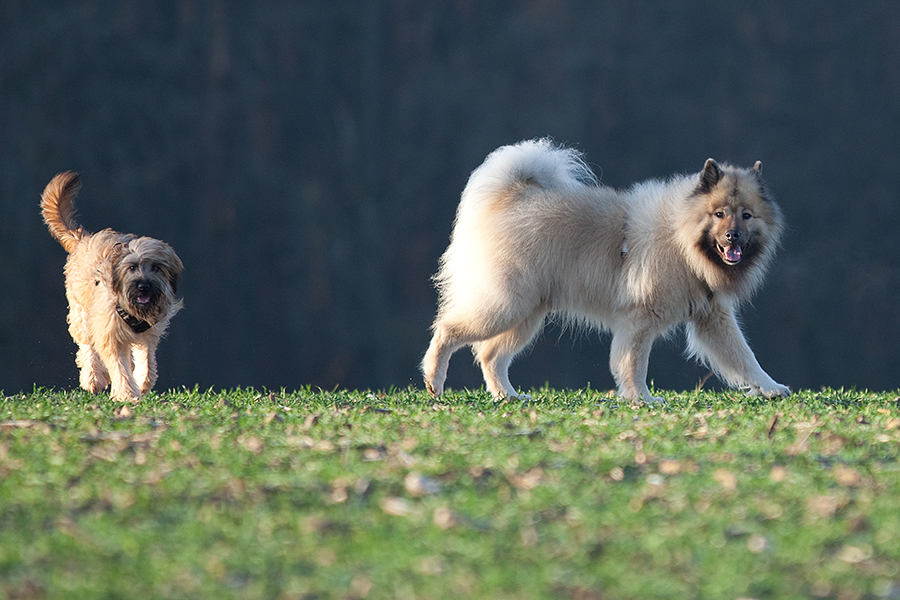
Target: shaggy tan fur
{"points": [[121, 292], [536, 234]]}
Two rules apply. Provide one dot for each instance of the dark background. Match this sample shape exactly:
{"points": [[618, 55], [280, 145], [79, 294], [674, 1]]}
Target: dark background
{"points": [[305, 159]]}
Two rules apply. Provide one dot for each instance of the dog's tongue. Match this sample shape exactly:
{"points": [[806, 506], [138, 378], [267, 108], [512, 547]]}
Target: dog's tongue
{"points": [[732, 253], [143, 299]]}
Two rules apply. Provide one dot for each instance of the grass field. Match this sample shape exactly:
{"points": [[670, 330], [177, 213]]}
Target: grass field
{"points": [[308, 495]]}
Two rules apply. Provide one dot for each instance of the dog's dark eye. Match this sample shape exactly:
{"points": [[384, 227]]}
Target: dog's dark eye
{"points": [[747, 216], [719, 215], [132, 269]]}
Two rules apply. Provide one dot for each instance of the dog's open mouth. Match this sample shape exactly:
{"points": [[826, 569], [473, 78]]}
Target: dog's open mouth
{"points": [[143, 299], [731, 254]]}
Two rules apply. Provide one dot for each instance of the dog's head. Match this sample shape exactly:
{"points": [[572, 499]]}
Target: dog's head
{"points": [[737, 225], [145, 278]]}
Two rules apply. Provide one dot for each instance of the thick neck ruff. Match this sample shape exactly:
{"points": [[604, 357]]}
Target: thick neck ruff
{"points": [[136, 325]]}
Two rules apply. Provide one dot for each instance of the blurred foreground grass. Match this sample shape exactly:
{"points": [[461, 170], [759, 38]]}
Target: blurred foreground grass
{"points": [[309, 495]]}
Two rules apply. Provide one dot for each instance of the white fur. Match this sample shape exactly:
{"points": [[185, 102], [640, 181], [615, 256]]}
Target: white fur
{"points": [[535, 234]]}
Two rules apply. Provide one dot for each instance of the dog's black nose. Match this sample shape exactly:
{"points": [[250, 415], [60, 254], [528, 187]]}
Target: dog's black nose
{"points": [[732, 234], [143, 287]]}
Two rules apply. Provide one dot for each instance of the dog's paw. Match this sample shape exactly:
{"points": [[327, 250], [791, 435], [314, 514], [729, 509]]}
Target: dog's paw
{"points": [[638, 397], [778, 390], [647, 400], [505, 396], [92, 381], [126, 398], [433, 390], [125, 393], [774, 390], [94, 386]]}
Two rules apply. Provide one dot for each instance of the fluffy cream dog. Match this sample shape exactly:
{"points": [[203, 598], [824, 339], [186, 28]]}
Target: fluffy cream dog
{"points": [[121, 292], [536, 234]]}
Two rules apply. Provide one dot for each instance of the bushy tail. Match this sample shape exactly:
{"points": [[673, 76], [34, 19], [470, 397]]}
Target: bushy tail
{"points": [[58, 208], [539, 162]]}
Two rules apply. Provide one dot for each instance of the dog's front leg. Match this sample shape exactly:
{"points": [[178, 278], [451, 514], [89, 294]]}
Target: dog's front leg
{"points": [[717, 339], [144, 366], [92, 374], [630, 357], [124, 387]]}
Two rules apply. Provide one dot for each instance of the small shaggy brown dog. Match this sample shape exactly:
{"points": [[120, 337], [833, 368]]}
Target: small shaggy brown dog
{"points": [[121, 291]]}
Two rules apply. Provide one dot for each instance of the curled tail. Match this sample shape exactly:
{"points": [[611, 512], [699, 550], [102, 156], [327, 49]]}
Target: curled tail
{"points": [[538, 162], [58, 208]]}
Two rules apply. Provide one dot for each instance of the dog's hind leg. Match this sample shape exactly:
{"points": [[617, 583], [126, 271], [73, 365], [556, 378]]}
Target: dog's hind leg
{"points": [[512, 327], [497, 353], [92, 375], [445, 342]]}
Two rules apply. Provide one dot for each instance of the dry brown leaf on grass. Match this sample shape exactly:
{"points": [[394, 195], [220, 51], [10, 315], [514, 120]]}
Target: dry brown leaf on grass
{"points": [[399, 507], [400, 458], [771, 429], [108, 452], [17, 424], [529, 536], [669, 467], [579, 593], [757, 543], [157, 475], [702, 427], [418, 485], [830, 444], [430, 565], [526, 481], [846, 476], [825, 506], [251, 443], [855, 554], [560, 446], [725, 478], [360, 586], [801, 445], [374, 453], [445, 518], [778, 473], [339, 493], [325, 446]]}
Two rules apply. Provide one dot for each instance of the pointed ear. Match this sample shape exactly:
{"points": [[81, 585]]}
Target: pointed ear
{"points": [[710, 175], [758, 167]]}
